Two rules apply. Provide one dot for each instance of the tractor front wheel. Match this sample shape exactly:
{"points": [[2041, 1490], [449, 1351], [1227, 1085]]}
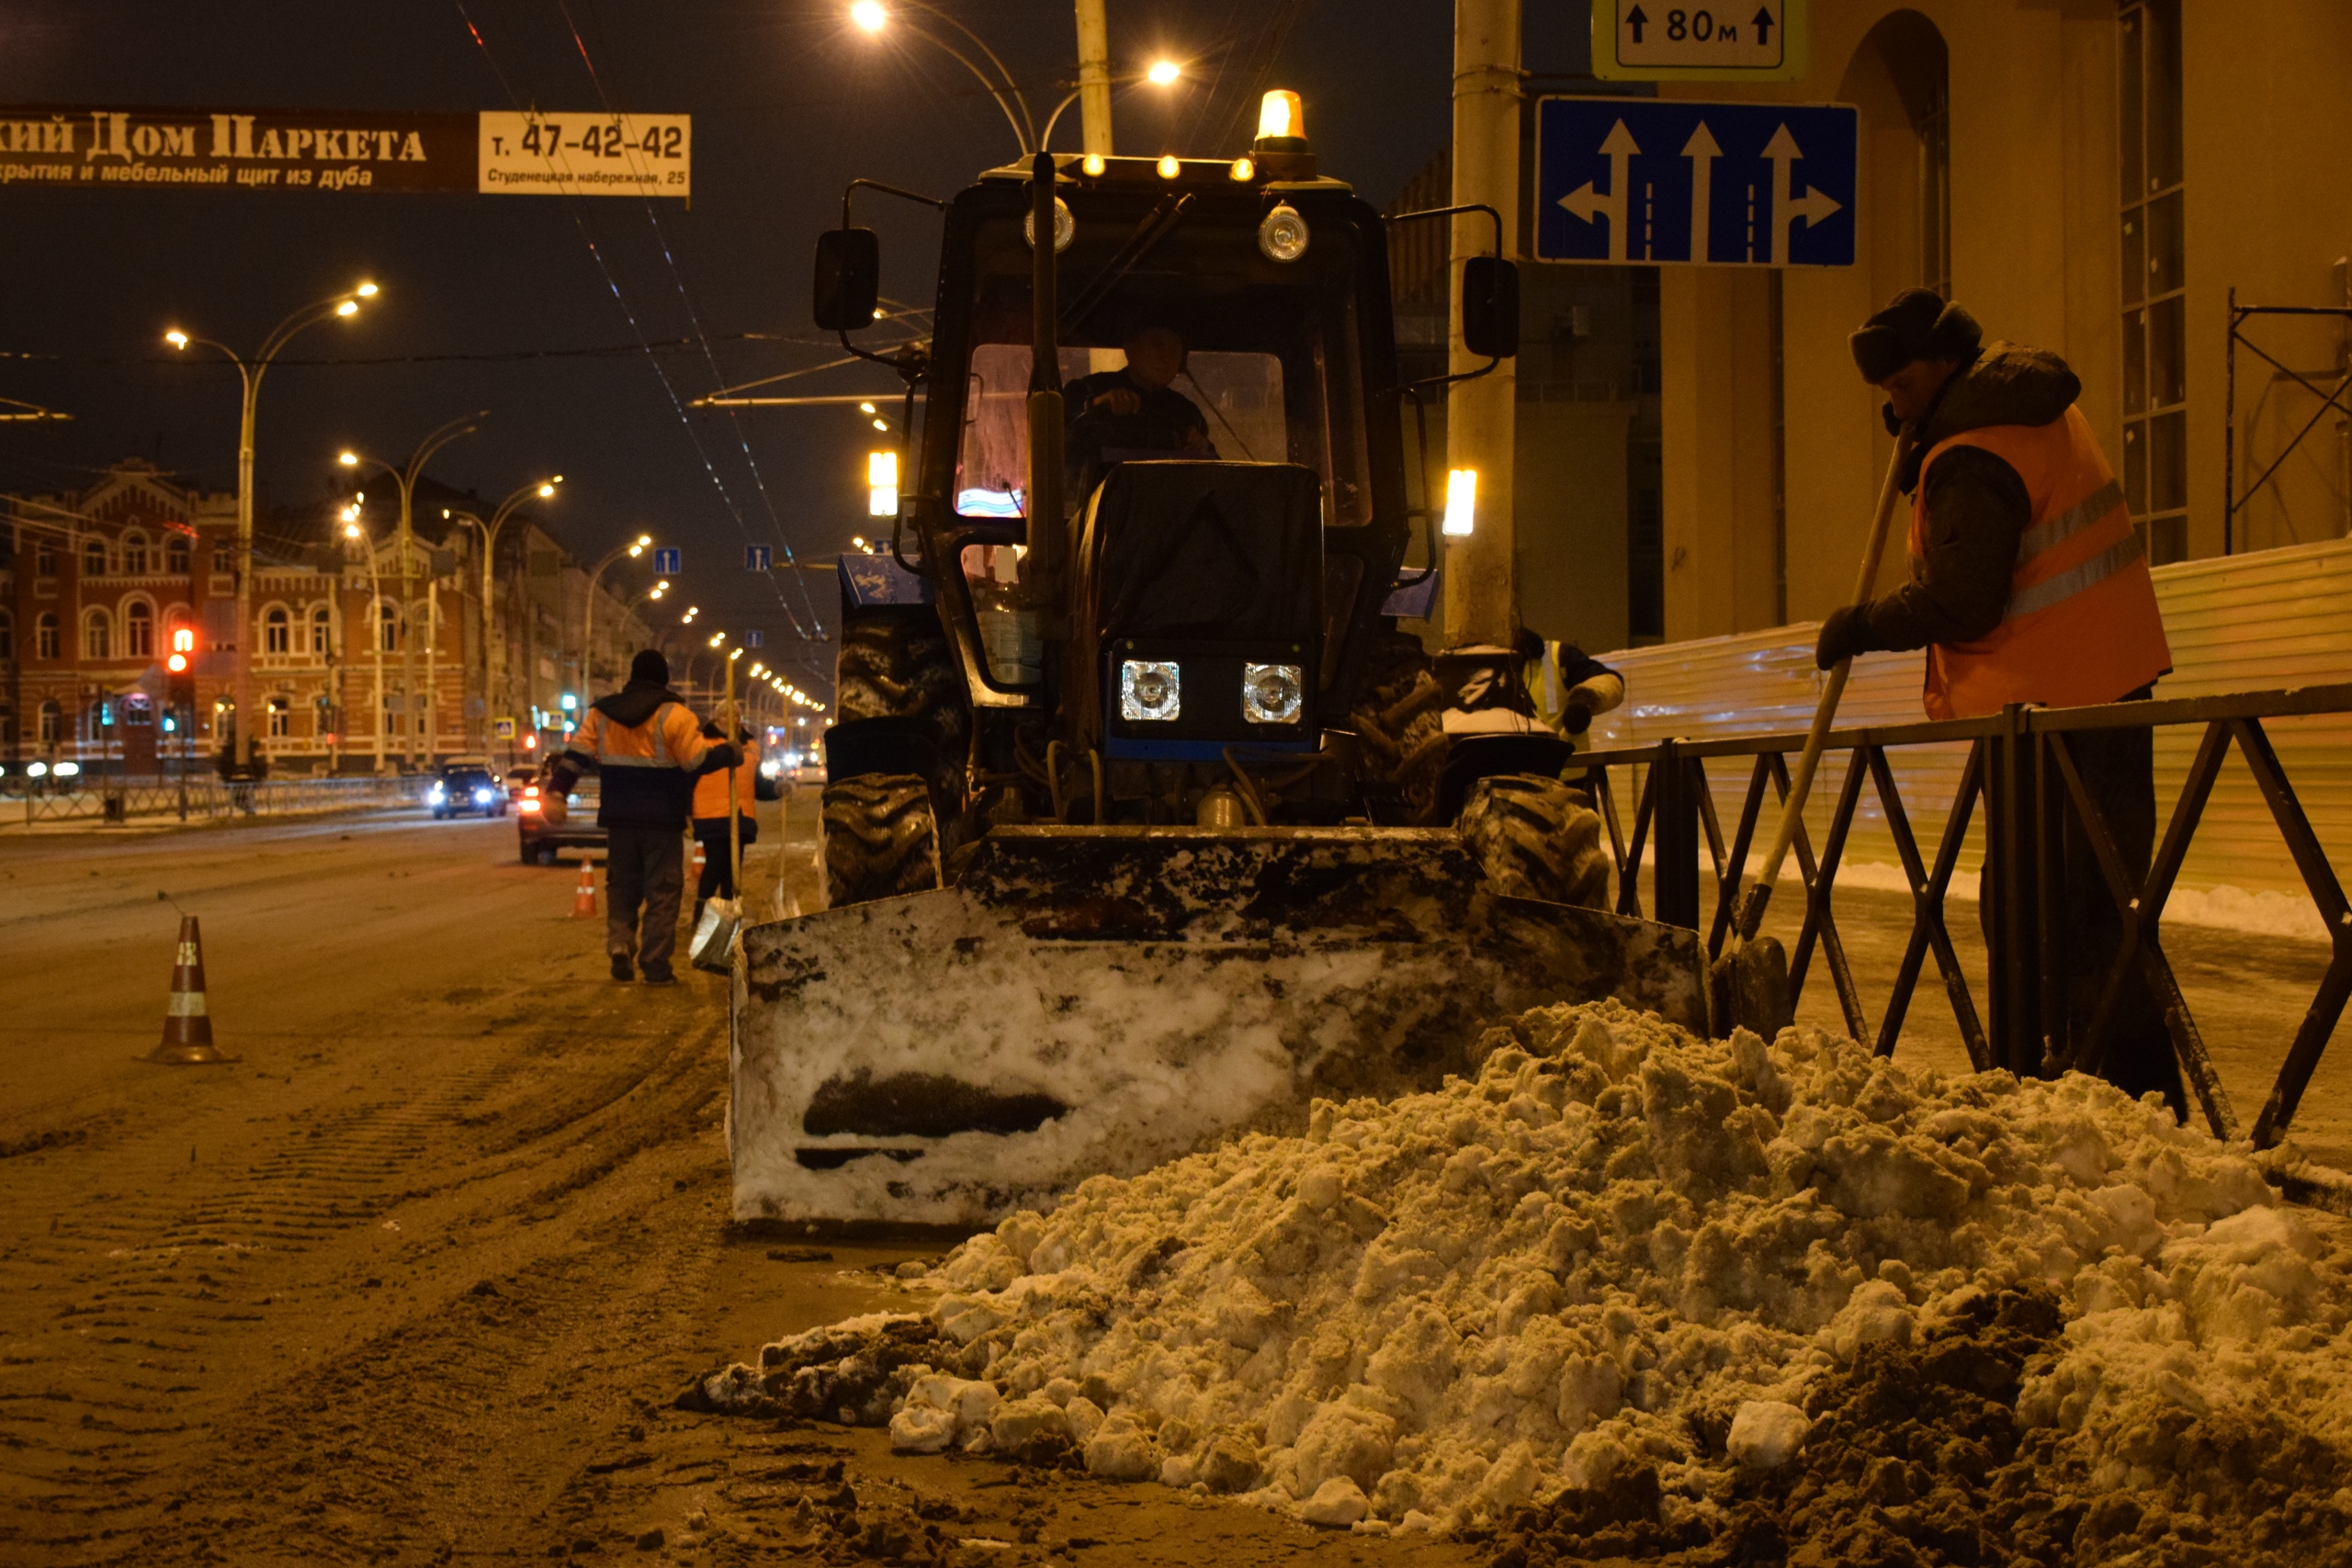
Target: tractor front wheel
{"points": [[881, 838], [1536, 837]]}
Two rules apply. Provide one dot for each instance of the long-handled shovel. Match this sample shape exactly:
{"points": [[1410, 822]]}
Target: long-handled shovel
{"points": [[1750, 981]]}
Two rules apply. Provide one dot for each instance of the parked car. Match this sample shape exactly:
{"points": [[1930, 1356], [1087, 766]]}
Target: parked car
{"points": [[546, 826], [460, 788], [518, 780]]}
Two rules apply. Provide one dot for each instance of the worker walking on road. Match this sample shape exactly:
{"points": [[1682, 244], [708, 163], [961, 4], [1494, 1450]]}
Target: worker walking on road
{"points": [[710, 815], [649, 749], [2028, 585]]}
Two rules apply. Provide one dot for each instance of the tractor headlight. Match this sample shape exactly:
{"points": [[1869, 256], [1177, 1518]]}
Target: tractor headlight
{"points": [[1283, 236], [1272, 693], [1150, 689], [1064, 227]]}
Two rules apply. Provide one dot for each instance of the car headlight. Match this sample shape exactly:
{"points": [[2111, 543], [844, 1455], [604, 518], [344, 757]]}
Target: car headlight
{"points": [[1150, 689], [1272, 693], [483, 796], [436, 793]]}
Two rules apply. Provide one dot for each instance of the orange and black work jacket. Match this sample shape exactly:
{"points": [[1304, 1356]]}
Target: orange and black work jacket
{"points": [[2027, 579], [649, 749]]}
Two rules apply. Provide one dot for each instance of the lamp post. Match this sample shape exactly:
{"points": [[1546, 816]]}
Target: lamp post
{"points": [[406, 480], [250, 371], [351, 530], [543, 489], [636, 546], [871, 17], [1160, 74]]}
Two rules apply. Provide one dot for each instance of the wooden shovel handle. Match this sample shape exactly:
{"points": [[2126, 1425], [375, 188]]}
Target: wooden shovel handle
{"points": [[1825, 713]]}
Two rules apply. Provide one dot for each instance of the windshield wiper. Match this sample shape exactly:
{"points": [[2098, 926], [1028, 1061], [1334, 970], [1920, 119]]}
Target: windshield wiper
{"points": [[1155, 227]]}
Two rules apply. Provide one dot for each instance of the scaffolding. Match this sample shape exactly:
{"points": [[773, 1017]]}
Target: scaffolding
{"points": [[2233, 499]]}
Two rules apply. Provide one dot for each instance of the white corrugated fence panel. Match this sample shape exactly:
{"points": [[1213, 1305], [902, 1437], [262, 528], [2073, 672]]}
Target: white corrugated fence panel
{"points": [[2276, 618]]}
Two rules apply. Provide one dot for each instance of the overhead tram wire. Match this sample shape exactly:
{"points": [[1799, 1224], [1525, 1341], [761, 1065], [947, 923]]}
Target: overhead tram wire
{"points": [[677, 403], [654, 221]]}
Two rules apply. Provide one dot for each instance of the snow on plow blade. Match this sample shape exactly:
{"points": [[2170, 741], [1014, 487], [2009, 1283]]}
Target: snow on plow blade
{"points": [[1096, 1000]]}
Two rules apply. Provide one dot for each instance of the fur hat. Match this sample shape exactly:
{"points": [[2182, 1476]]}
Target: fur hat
{"points": [[650, 668], [1915, 324]]}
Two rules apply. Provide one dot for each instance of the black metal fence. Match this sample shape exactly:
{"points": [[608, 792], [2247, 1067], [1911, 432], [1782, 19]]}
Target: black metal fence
{"points": [[2021, 765]]}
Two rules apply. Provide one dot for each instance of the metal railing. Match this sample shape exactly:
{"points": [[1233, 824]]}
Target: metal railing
{"points": [[118, 798], [2021, 762]]}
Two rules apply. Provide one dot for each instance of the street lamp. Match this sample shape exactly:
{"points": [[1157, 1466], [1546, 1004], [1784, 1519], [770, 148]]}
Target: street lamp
{"points": [[1160, 74], [634, 549], [543, 489], [871, 17], [406, 480], [351, 530], [251, 371]]}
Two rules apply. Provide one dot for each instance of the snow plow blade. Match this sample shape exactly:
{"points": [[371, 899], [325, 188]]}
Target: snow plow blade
{"points": [[1098, 1000]]}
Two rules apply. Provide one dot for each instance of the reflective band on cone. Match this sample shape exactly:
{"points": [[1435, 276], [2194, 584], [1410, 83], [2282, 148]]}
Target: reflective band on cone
{"points": [[187, 1024], [699, 860], [583, 897]]}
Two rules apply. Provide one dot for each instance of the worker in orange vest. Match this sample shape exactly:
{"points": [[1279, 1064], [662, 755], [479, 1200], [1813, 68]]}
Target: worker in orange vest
{"points": [[710, 815], [2028, 585], [649, 749]]}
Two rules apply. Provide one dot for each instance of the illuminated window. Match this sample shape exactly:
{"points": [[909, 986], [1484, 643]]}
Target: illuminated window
{"points": [[2155, 281]]}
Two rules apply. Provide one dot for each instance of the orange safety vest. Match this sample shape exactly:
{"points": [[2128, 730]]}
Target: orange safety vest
{"points": [[2082, 624], [710, 790]]}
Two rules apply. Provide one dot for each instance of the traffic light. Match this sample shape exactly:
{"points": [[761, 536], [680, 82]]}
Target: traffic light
{"points": [[179, 668]]}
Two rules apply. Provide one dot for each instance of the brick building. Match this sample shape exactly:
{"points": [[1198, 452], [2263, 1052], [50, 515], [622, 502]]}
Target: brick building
{"points": [[93, 584]]}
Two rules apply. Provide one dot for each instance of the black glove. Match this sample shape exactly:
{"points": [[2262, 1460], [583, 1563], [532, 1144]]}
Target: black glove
{"points": [[1576, 716], [710, 730], [1846, 633]]}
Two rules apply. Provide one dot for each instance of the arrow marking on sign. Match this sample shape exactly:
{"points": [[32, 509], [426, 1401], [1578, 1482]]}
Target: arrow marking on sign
{"points": [[1636, 22], [1761, 22], [1586, 204], [1811, 208], [1702, 152]]}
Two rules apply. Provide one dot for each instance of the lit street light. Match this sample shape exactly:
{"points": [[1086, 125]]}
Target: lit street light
{"points": [[406, 480], [543, 489], [634, 549], [251, 371]]}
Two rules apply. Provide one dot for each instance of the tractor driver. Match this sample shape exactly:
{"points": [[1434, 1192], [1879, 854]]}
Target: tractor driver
{"points": [[1135, 411]]}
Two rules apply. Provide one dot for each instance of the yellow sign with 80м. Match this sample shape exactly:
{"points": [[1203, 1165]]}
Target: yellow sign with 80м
{"points": [[1664, 40]]}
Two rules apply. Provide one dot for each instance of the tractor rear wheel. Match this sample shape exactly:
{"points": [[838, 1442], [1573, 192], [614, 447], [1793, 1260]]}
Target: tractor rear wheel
{"points": [[881, 838], [1536, 837]]}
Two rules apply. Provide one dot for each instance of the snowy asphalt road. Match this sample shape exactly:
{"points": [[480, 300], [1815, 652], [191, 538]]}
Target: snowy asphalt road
{"points": [[415, 1280]]}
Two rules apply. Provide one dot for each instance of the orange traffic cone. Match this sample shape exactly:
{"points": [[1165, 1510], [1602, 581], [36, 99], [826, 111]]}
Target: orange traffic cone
{"points": [[695, 871], [583, 897], [187, 1026]]}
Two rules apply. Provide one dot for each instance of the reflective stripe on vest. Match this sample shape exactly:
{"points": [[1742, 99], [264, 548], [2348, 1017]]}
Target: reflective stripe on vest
{"points": [[2067, 524], [2076, 578], [650, 728]]}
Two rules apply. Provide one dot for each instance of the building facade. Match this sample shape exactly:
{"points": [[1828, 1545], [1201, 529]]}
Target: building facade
{"points": [[2093, 177], [361, 661]]}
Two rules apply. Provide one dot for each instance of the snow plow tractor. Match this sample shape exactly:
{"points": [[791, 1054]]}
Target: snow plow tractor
{"points": [[1144, 823]]}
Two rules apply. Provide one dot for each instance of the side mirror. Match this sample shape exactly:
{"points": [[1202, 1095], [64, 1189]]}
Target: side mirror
{"points": [[849, 279], [1490, 307]]}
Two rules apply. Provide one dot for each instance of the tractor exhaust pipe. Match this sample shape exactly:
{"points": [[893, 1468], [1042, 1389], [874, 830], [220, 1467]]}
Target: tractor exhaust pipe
{"points": [[1048, 536]]}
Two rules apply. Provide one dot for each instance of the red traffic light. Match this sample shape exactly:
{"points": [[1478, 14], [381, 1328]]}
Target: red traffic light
{"points": [[177, 663]]}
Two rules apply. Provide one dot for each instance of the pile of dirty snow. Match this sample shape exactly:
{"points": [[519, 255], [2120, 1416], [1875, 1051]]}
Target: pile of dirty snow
{"points": [[1630, 1290]]}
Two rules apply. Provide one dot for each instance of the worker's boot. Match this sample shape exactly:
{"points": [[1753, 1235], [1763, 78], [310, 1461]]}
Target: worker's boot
{"points": [[659, 975], [621, 970]]}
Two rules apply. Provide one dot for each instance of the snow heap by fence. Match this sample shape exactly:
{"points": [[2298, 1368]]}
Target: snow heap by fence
{"points": [[1426, 1312]]}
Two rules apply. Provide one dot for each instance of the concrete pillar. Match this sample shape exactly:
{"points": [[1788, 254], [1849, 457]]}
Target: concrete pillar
{"points": [[1480, 606], [1093, 78], [1715, 419]]}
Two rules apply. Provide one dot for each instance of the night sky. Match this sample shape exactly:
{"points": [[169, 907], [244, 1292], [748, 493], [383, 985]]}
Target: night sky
{"points": [[789, 102]]}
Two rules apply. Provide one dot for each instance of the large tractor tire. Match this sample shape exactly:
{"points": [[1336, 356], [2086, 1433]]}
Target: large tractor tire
{"points": [[1536, 839], [881, 838]]}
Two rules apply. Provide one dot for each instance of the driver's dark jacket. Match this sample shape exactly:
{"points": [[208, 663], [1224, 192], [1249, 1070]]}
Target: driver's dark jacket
{"points": [[1162, 424]]}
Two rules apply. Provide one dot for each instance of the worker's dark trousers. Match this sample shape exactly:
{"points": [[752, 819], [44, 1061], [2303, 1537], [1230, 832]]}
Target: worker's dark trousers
{"points": [[2119, 771], [643, 866], [717, 866]]}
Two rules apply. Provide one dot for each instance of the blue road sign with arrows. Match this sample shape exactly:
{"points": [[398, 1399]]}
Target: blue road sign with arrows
{"points": [[759, 557], [666, 559], [1663, 180]]}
